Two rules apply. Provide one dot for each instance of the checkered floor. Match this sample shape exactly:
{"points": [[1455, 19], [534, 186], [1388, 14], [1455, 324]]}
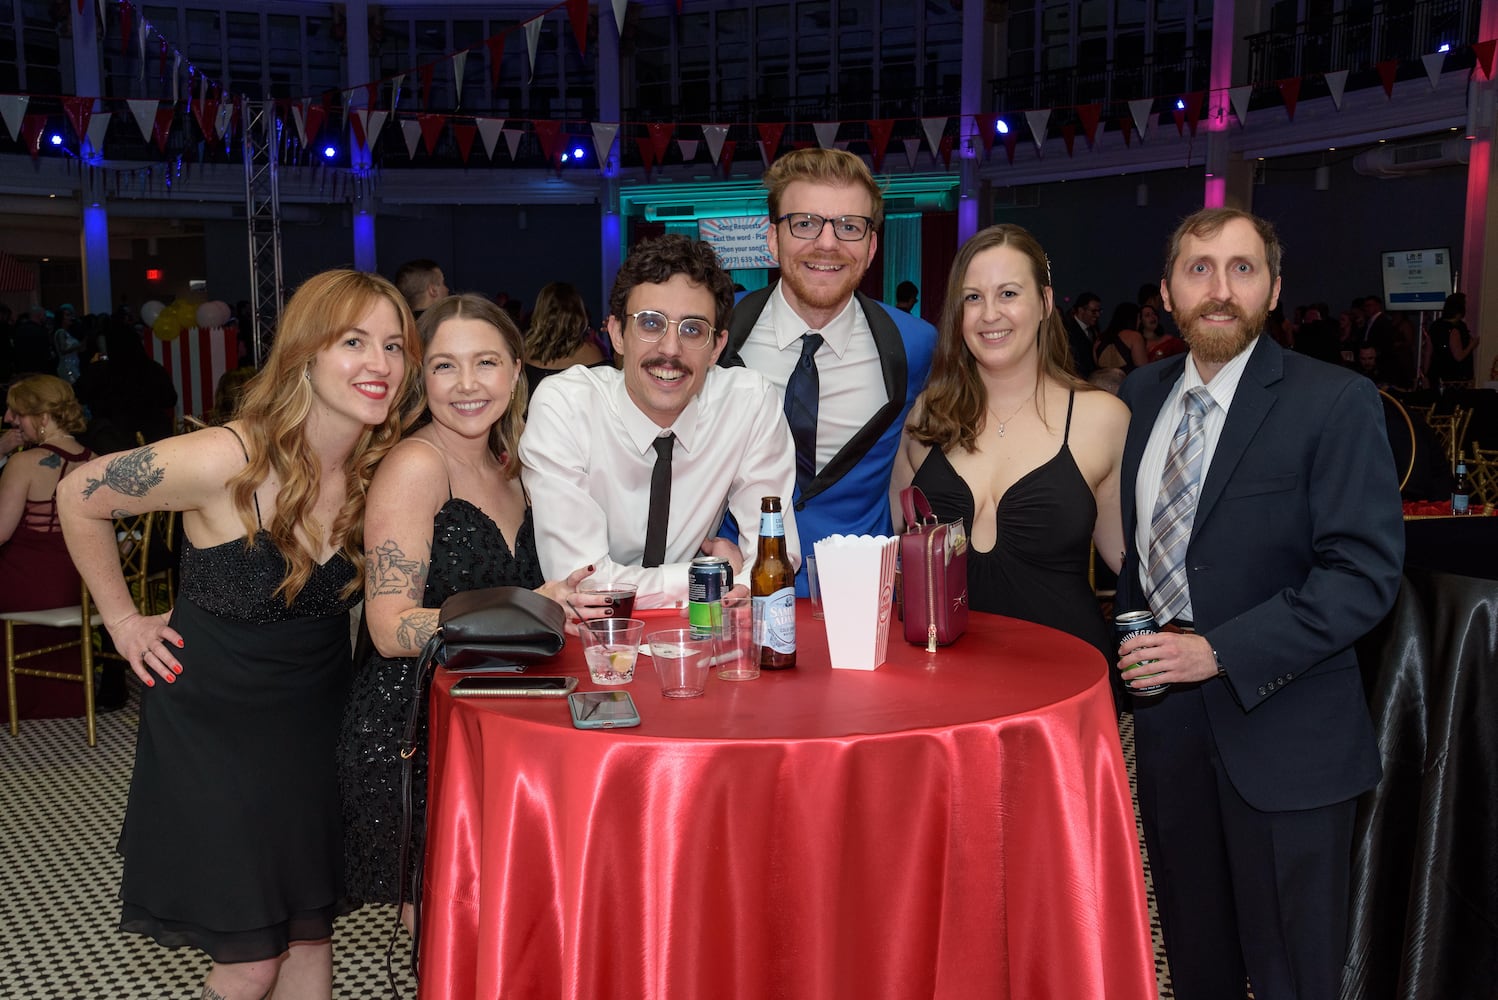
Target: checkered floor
{"points": [[61, 804]]}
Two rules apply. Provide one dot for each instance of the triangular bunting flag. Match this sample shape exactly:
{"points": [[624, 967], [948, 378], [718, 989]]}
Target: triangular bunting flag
{"points": [[714, 136], [97, 126], [79, 110], [373, 126], [660, 139], [32, 127], [222, 119], [933, 127], [431, 129], [176, 75], [769, 138], [1433, 62], [826, 133], [1011, 140], [577, 13], [489, 129], [1126, 126], [880, 129], [496, 44], [619, 6], [603, 139], [726, 161], [316, 115], [144, 112], [1194, 109], [204, 111], [13, 109], [460, 60], [912, 149], [1484, 53], [1038, 120], [463, 134], [1290, 91], [1238, 97], [986, 126], [163, 126], [512, 141], [1336, 82], [299, 119], [1386, 72], [1139, 110], [532, 37], [411, 131], [395, 89], [647, 154], [944, 150], [688, 149], [358, 122], [548, 134], [1069, 136], [1090, 114], [425, 73], [127, 23]]}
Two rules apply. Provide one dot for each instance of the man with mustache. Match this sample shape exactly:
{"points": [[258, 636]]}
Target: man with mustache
{"points": [[631, 470], [849, 367], [1261, 511]]}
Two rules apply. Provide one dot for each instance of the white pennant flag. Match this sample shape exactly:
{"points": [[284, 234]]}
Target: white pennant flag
{"points": [[603, 138], [372, 126], [1239, 96], [532, 36], [176, 77], [688, 149], [489, 129], [619, 6], [97, 126], [912, 150], [299, 117], [1433, 64], [1139, 110], [412, 131], [715, 135], [460, 59], [395, 89], [1038, 120], [826, 133], [512, 140], [934, 127], [141, 31], [102, 11], [13, 108], [1336, 82], [222, 119], [144, 110]]}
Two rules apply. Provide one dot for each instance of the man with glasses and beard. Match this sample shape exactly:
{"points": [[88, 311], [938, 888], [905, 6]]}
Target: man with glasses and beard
{"points": [[849, 367], [631, 470], [1261, 512]]}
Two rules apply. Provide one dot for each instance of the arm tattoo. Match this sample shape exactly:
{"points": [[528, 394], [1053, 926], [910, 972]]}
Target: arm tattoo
{"points": [[209, 993], [131, 474], [415, 628], [391, 573], [51, 462]]}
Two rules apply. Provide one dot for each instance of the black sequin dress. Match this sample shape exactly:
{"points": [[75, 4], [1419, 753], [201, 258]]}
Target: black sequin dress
{"points": [[232, 840], [468, 552]]}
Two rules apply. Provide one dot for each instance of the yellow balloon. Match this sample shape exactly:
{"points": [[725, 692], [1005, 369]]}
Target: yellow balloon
{"points": [[174, 319]]}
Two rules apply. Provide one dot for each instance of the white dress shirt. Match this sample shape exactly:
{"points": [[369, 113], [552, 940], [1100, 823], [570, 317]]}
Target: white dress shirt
{"points": [[587, 455], [848, 370], [1223, 387]]}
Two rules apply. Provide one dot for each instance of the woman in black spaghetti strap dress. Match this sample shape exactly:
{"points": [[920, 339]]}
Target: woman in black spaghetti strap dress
{"points": [[232, 840], [1007, 438], [446, 514]]}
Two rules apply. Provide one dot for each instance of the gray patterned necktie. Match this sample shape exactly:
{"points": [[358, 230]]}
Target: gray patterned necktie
{"points": [[1175, 509]]}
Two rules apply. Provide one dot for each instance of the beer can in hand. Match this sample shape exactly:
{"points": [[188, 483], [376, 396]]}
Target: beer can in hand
{"points": [[1128, 625]]}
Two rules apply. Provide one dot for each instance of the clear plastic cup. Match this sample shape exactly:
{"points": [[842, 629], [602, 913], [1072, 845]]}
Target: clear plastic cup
{"points": [[682, 661], [610, 646]]}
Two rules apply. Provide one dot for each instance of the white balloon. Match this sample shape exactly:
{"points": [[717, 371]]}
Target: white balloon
{"points": [[149, 311], [212, 314]]}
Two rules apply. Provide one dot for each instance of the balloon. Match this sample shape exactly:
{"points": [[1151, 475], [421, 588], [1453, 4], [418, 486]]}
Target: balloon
{"points": [[150, 311], [174, 319], [211, 314]]}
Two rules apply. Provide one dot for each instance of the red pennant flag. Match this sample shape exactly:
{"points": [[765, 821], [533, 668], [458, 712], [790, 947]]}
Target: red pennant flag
{"points": [[371, 95], [1290, 91], [1193, 110], [946, 151], [1386, 71], [32, 127], [647, 154], [127, 23], [316, 113], [80, 6], [880, 129], [206, 110], [987, 128], [577, 12], [769, 134], [725, 160], [1011, 139], [163, 126], [464, 135], [1090, 113], [1127, 128], [496, 44], [426, 83], [357, 128], [1484, 53], [431, 128], [660, 138], [1069, 136], [79, 110], [547, 134]]}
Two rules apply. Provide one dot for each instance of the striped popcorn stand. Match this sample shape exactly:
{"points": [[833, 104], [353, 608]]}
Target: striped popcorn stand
{"points": [[196, 360]]}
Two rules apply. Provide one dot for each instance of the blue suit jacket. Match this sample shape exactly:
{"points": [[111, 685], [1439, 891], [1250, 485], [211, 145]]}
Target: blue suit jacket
{"points": [[1295, 553]]}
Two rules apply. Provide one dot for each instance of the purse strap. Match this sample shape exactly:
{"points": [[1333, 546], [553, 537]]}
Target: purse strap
{"points": [[914, 505]]}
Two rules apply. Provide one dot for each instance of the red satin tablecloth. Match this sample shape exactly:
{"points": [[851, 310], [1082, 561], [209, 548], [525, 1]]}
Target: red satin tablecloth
{"points": [[951, 825]]}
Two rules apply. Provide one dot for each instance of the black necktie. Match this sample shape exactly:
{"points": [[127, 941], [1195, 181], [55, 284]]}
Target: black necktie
{"points": [[803, 391], [660, 503]]}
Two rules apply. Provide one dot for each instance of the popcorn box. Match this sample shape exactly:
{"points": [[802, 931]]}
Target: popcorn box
{"points": [[858, 586]]}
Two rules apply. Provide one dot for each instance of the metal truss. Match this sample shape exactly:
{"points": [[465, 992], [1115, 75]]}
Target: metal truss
{"points": [[262, 140]]}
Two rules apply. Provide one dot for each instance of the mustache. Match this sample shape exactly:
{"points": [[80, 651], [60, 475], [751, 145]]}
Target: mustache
{"points": [[663, 362], [1216, 308]]}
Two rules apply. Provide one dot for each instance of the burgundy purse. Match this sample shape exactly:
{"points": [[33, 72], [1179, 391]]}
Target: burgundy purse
{"points": [[933, 570]]}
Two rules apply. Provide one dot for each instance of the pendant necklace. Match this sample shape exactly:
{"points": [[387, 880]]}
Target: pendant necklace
{"points": [[1012, 415]]}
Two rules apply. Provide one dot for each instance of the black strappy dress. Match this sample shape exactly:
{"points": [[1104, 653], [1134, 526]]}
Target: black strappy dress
{"points": [[1037, 569]]}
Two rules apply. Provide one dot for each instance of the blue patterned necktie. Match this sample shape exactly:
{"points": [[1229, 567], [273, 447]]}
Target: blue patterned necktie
{"points": [[1175, 509], [803, 393]]}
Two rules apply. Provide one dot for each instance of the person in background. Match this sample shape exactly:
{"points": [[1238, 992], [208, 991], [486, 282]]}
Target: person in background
{"points": [[232, 840], [446, 513], [906, 295], [127, 393], [1264, 532], [1158, 343], [1453, 343], [67, 343], [1082, 332], [1121, 345], [33, 352], [422, 283], [848, 368], [559, 336]]}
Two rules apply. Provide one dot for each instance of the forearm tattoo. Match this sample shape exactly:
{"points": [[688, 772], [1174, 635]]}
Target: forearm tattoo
{"points": [[415, 628], [392, 574], [132, 474]]}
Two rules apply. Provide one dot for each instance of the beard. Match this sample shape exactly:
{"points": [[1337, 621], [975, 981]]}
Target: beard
{"points": [[824, 296], [1219, 347]]}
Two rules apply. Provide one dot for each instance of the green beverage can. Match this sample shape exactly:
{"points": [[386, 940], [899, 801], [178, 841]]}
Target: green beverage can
{"points": [[708, 579]]}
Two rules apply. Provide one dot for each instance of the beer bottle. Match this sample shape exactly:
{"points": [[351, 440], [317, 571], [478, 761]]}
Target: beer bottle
{"points": [[772, 589]]}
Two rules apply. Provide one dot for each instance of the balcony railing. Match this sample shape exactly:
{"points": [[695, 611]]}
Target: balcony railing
{"points": [[1109, 84], [1359, 40]]}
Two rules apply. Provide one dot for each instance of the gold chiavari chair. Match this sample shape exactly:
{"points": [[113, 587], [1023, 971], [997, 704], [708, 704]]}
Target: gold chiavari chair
{"points": [[1482, 474]]}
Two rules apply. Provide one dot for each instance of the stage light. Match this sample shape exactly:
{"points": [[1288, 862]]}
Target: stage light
{"points": [[329, 152], [1446, 47], [1001, 127], [1180, 104], [565, 157], [578, 152], [56, 139]]}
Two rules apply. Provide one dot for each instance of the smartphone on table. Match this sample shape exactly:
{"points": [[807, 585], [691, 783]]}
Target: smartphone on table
{"points": [[603, 710], [512, 686]]}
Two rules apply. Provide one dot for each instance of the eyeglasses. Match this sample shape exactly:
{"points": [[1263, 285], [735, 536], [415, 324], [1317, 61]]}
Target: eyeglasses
{"points": [[651, 326], [806, 226]]}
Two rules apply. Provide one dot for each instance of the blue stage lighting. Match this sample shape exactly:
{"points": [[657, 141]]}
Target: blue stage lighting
{"points": [[578, 152], [1002, 127], [56, 139], [329, 152]]}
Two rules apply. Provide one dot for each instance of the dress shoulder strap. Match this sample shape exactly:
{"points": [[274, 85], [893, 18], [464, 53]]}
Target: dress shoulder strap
{"points": [[259, 523], [1071, 400]]}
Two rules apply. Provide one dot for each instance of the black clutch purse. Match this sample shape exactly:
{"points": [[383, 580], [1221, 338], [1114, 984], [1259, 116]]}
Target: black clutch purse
{"points": [[499, 629]]}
